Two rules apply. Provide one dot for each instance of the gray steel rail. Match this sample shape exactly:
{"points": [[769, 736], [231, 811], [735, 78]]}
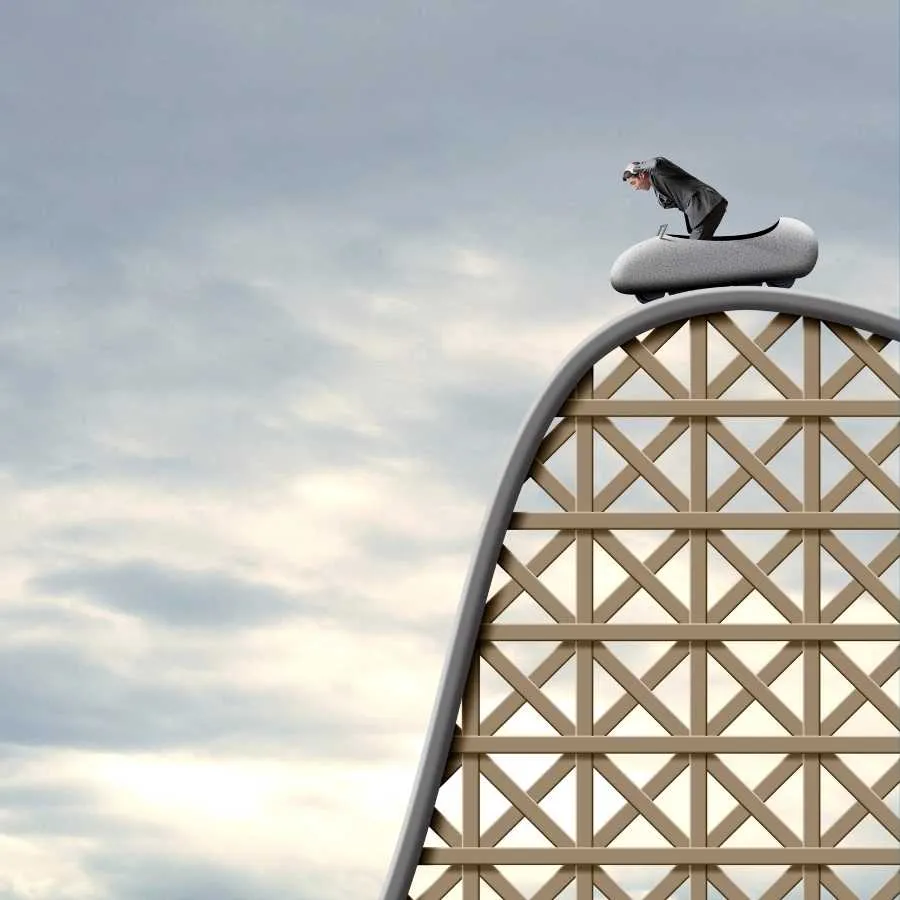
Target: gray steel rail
{"points": [[468, 618]]}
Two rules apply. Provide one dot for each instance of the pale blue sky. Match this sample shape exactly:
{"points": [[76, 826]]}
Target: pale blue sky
{"points": [[280, 282]]}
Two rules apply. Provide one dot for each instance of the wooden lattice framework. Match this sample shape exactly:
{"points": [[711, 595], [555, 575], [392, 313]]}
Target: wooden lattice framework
{"points": [[610, 534]]}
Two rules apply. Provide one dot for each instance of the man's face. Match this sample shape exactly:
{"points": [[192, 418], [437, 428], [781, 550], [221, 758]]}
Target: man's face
{"points": [[640, 182]]}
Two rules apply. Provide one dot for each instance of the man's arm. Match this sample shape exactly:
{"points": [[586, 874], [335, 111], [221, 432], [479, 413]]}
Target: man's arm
{"points": [[660, 170]]}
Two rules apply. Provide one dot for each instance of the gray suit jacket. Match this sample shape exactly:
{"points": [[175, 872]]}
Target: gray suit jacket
{"points": [[676, 188]]}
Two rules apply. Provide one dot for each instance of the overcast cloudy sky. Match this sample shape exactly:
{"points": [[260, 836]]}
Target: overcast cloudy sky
{"points": [[280, 281]]}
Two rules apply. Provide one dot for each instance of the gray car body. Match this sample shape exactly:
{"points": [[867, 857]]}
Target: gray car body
{"points": [[787, 250]]}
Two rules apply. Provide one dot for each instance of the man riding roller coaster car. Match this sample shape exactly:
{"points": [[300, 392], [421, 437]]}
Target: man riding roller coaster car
{"points": [[702, 205]]}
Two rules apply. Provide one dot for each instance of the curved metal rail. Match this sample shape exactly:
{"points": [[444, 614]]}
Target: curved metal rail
{"points": [[569, 394]]}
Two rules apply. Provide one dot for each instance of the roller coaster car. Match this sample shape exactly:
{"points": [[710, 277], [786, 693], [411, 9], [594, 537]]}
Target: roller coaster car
{"points": [[672, 263]]}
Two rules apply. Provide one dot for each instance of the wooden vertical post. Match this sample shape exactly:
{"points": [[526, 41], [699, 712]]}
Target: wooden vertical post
{"points": [[471, 780], [698, 602], [812, 787], [584, 659]]}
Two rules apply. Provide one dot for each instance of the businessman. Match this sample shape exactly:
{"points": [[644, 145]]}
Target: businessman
{"points": [[703, 206]]}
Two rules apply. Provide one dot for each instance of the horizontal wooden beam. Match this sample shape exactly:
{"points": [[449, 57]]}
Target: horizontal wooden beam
{"points": [[714, 521], [772, 408], [658, 856], [600, 631], [673, 744]]}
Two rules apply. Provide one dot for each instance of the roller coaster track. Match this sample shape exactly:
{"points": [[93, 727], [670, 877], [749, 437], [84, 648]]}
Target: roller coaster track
{"points": [[619, 524]]}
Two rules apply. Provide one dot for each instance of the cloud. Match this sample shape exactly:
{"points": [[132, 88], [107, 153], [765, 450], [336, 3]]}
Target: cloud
{"points": [[153, 825], [177, 599], [148, 876], [280, 285]]}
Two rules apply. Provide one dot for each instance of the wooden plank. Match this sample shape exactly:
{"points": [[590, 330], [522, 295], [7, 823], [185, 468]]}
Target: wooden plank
{"points": [[607, 631], [674, 744], [662, 521], [660, 856], [777, 409]]}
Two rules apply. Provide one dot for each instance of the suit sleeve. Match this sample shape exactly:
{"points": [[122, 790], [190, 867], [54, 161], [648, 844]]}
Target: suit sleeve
{"points": [[664, 201], [662, 189]]}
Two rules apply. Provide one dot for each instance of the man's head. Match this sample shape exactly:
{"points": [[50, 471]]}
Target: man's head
{"points": [[637, 178]]}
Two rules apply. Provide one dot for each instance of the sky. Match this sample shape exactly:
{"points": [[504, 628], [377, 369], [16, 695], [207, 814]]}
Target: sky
{"points": [[280, 282]]}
